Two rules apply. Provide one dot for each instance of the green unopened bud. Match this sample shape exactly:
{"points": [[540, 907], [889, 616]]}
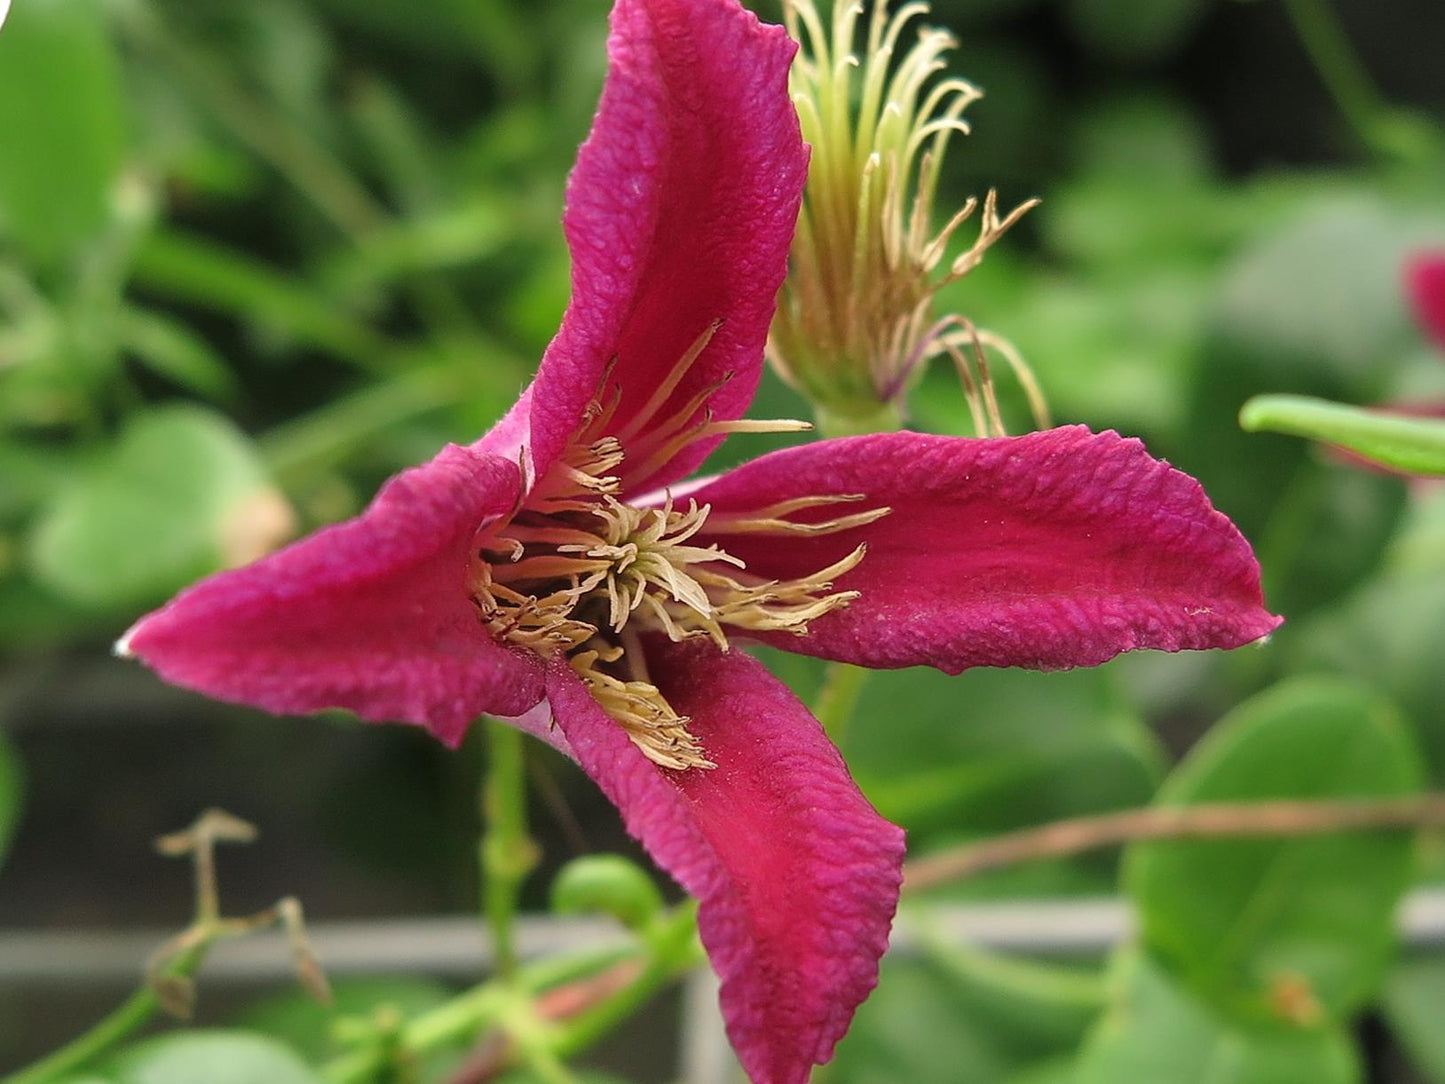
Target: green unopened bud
{"points": [[855, 318], [608, 884]]}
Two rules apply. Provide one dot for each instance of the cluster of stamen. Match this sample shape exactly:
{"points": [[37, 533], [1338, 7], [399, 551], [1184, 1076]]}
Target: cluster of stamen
{"points": [[576, 571], [856, 315]]}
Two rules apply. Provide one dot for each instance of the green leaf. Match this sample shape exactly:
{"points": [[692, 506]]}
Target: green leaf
{"points": [[1412, 1004], [1157, 1033], [961, 1016], [229, 281], [306, 1026], [211, 1057], [1386, 633], [953, 758], [1322, 292], [1412, 445], [1133, 31], [10, 795], [181, 494], [62, 115], [1293, 927], [172, 350]]}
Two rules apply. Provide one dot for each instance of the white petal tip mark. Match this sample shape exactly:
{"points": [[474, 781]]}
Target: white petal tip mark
{"points": [[121, 648]]}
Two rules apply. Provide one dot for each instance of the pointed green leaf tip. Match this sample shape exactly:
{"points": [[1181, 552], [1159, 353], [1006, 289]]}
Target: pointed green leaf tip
{"points": [[1408, 444]]}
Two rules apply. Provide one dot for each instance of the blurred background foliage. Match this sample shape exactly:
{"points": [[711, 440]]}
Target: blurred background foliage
{"points": [[256, 257]]}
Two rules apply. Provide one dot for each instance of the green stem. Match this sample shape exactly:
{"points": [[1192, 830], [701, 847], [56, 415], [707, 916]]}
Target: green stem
{"points": [[1340, 69], [853, 419], [312, 170], [132, 1014], [674, 950], [838, 699], [508, 854], [473, 1012]]}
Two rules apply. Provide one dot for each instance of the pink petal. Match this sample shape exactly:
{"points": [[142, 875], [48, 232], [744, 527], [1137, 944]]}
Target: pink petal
{"points": [[371, 615], [1056, 549], [796, 875], [1425, 281], [679, 212]]}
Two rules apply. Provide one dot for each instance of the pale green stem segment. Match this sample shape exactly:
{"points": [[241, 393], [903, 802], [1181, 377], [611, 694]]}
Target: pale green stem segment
{"points": [[508, 854], [1411, 445]]}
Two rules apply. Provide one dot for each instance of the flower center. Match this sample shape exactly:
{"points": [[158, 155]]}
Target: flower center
{"points": [[577, 571]]}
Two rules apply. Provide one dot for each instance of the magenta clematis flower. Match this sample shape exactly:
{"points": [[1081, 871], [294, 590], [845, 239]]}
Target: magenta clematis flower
{"points": [[556, 573]]}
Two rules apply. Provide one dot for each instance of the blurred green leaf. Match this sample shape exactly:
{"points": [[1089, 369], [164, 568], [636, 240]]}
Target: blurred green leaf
{"points": [[1323, 290], [1283, 927], [182, 494], [1129, 137], [302, 1024], [210, 1057], [64, 124], [955, 758], [1358, 511], [1386, 633], [11, 793], [1413, 445], [580, 1076], [1130, 30], [1157, 1033], [961, 1016], [1413, 1003], [173, 350], [198, 270]]}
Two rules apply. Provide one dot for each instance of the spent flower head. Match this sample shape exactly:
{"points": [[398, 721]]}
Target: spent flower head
{"points": [[856, 315]]}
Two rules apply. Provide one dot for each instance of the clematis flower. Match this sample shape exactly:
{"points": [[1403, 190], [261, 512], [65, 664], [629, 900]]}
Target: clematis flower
{"points": [[559, 573]]}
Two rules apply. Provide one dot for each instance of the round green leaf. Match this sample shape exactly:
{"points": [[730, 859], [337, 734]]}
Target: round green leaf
{"points": [[1297, 927], [983, 752], [960, 1016], [181, 495], [1134, 31], [61, 112], [211, 1057], [1412, 1004], [1156, 1032]]}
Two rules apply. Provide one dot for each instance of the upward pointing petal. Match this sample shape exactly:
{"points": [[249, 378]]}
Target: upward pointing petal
{"points": [[679, 213], [372, 615], [796, 876]]}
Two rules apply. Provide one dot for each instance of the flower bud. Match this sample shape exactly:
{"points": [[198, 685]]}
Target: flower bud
{"points": [[608, 884]]}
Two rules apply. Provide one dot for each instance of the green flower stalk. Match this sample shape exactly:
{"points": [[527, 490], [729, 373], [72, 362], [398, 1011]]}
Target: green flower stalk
{"points": [[856, 315]]}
